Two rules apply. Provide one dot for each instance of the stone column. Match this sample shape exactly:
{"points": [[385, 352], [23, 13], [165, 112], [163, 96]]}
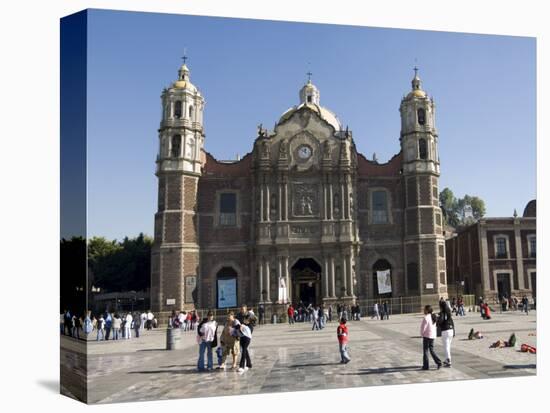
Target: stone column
{"points": [[267, 203], [262, 202], [267, 282], [349, 260], [287, 278], [326, 278], [280, 201], [332, 277], [261, 279], [279, 276], [344, 275], [286, 201], [342, 201], [484, 257], [330, 201], [519, 256]]}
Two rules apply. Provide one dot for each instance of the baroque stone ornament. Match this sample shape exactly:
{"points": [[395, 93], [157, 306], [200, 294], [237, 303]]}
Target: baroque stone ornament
{"points": [[305, 200], [326, 150]]}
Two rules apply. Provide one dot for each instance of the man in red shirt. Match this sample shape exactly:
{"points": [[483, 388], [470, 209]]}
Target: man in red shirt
{"points": [[290, 313], [343, 338]]}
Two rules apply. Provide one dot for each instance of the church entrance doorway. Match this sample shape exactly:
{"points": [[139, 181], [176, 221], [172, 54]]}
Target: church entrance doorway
{"points": [[306, 282]]}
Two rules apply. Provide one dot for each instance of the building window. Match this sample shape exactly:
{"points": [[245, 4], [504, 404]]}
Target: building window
{"points": [[177, 109], [176, 146], [228, 209], [379, 207], [421, 116], [422, 149], [438, 219], [532, 240], [309, 99], [502, 251]]}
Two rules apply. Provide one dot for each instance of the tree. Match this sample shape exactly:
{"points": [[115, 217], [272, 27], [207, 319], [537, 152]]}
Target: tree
{"points": [[449, 206], [455, 209]]}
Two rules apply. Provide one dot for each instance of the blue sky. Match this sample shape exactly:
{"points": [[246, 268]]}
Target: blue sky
{"points": [[250, 72]]}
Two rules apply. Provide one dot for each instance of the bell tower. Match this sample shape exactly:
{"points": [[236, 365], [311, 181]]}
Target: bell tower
{"points": [[175, 254], [424, 241]]}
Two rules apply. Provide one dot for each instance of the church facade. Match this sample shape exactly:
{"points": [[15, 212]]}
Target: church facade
{"points": [[302, 217]]}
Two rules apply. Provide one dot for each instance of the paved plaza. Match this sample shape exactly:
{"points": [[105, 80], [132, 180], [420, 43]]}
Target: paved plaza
{"points": [[291, 358]]}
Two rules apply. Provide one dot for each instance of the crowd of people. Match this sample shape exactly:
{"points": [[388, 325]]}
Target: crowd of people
{"points": [[107, 325]]}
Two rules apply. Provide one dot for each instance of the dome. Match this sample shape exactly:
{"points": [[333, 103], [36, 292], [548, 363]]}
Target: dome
{"points": [[309, 99], [530, 210], [416, 84], [418, 93], [322, 112], [184, 81]]}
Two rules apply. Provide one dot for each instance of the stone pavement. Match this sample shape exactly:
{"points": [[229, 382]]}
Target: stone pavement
{"points": [[291, 358]]}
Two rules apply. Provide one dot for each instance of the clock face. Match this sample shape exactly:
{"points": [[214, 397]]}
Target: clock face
{"points": [[304, 152]]}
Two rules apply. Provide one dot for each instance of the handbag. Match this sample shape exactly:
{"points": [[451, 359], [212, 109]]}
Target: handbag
{"points": [[215, 340]]}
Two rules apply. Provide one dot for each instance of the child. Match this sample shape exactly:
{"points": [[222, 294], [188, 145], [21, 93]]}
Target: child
{"points": [[428, 332], [343, 338]]}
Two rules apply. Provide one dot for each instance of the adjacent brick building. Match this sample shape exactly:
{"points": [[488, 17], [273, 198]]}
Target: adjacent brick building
{"points": [[303, 216], [495, 256]]}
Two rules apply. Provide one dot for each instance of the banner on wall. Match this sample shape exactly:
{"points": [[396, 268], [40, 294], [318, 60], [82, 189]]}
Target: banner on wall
{"points": [[227, 293], [384, 281], [283, 292]]}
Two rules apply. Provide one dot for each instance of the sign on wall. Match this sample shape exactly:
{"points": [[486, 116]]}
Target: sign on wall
{"points": [[227, 293], [384, 281]]}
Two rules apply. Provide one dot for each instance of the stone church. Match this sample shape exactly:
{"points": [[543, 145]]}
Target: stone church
{"points": [[302, 217]]}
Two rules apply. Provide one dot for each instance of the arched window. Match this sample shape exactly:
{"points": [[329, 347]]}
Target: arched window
{"points": [[421, 113], [177, 109], [382, 285], [176, 146], [191, 111], [422, 149]]}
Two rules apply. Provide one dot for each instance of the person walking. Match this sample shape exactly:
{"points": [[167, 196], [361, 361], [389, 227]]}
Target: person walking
{"points": [[149, 320], [206, 333], [142, 320], [445, 323], [386, 310], [261, 314], [375, 312], [525, 304], [245, 337], [117, 323], [136, 325], [229, 341], [100, 328], [343, 339], [321, 311], [108, 325], [315, 318], [290, 314], [128, 326], [330, 313], [87, 325], [428, 331]]}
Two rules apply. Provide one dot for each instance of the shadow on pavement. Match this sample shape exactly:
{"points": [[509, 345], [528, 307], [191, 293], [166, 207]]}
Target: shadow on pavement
{"points": [[312, 365], [520, 366], [386, 370]]}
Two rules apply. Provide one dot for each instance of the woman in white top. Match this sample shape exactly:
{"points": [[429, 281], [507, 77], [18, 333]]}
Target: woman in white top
{"points": [[117, 322], [428, 331], [128, 326]]}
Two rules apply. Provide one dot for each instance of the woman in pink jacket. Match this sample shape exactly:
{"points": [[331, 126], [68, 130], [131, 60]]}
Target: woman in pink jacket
{"points": [[428, 331]]}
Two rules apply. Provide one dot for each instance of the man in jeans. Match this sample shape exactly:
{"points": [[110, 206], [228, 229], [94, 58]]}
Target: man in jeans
{"points": [[205, 337], [343, 338]]}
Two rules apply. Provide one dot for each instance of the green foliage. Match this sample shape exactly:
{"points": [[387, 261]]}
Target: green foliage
{"points": [[121, 266], [453, 208]]}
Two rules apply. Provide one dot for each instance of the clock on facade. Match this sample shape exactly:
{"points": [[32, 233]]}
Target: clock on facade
{"points": [[304, 152]]}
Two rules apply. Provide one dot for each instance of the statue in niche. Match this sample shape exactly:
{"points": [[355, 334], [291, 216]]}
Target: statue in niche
{"points": [[336, 205], [306, 204]]}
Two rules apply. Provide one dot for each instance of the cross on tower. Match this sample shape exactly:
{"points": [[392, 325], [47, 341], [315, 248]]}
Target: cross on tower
{"points": [[415, 71], [184, 57], [309, 75]]}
